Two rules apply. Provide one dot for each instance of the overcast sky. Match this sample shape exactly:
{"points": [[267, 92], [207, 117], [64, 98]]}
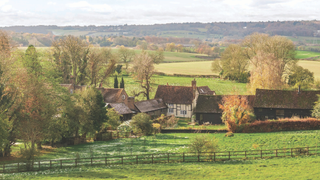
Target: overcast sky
{"points": [[119, 12]]}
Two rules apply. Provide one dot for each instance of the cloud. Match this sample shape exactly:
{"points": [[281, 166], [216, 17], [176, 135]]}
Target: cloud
{"points": [[3, 2], [85, 6], [6, 8], [51, 3]]}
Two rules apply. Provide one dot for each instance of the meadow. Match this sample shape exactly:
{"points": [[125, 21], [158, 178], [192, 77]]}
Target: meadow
{"points": [[313, 66], [283, 168], [178, 143], [306, 54]]}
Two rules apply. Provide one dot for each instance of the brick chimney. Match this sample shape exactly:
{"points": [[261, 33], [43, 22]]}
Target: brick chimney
{"points": [[194, 87]]}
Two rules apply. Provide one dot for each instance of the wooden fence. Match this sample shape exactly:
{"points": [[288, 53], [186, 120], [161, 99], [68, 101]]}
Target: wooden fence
{"points": [[157, 158]]}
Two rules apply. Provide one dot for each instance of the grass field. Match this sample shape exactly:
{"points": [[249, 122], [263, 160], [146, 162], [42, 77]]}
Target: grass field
{"points": [[183, 124], [283, 168], [178, 143], [306, 54], [217, 85], [313, 66], [191, 68]]}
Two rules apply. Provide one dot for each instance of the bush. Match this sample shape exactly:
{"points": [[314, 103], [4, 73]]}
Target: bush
{"points": [[280, 125], [142, 124], [203, 144], [166, 121], [124, 128]]}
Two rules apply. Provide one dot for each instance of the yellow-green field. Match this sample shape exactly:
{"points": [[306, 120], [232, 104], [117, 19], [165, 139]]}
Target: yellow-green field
{"points": [[313, 66], [192, 68]]}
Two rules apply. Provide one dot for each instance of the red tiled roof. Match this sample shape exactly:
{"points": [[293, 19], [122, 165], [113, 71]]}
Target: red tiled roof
{"points": [[285, 99], [110, 95], [175, 94]]}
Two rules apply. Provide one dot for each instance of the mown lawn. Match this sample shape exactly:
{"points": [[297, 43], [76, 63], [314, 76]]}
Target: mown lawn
{"points": [[306, 167]]}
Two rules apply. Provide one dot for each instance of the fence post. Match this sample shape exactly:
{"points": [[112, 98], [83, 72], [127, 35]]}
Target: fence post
{"points": [[91, 161], [61, 164], [276, 152], [4, 165], [137, 159], [39, 165], [229, 155], [291, 152], [168, 157], [307, 150], [106, 160], [50, 164], [75, 162], [261, 153], [198, 157], [18, 166], [183, 157], [122, 159], [245, 154], [152, 158], [214, 156]]}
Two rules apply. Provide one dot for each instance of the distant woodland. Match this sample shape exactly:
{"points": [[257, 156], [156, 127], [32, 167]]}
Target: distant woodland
{"points": [[179, 33]]}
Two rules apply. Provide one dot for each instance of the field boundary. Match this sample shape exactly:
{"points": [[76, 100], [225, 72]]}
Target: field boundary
{"points": [[158, 158], [193, 131]]}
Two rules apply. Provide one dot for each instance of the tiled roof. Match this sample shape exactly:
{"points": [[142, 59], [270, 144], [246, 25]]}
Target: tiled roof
{"points": [[121, 108], [205, 90], [285, 99], [110, 95], [210, 104], [175, 94], [150, 105]]}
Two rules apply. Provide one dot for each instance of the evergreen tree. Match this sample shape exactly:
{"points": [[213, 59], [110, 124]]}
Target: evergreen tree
{"points": [[122, 83], [116, 82]]}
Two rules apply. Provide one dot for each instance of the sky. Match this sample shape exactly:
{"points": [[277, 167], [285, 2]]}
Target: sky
{"points": [[119, 12]]}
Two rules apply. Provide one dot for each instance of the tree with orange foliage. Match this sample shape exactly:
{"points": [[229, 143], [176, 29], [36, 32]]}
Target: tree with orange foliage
{"points": [[236, 111]]}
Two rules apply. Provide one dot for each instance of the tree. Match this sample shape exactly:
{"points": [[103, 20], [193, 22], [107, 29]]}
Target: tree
{"points": [[203, 144], [115, 84], [233, 63], [122, 83], [32, 62], [143, 70], [71, 58], [113, 119], [101, 64], [157, 56], [142, 124], [170, 47], [125, 55], [236, 111], [301, 77], [316, 109]]}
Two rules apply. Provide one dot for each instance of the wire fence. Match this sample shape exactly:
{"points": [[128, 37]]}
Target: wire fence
{"points": [[157, 158]]}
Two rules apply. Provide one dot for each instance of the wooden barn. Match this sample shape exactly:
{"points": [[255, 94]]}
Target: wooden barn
{"points": [[274, 104], [207, 109]]}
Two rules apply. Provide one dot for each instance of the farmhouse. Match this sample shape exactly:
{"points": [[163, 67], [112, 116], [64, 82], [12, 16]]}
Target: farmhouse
{"points": [[181, 100], [274, 104], [207, 109], [153, 107]]}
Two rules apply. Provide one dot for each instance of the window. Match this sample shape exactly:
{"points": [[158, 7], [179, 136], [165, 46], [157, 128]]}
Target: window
{"points": [[184, 112], [170, 105], [170, 110], [280, 113], [123, 97]]}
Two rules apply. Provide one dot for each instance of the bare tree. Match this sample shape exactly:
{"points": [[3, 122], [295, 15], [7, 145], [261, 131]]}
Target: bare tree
{"points": [[143, 69], [126, 55]]}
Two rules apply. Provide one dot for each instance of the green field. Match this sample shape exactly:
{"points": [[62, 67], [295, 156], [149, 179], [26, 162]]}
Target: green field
{"points": [[283, 168], [306, 54], [217, 85], [183, 124]]}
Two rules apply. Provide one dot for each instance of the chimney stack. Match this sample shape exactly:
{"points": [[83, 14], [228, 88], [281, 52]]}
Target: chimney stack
{"points": [[194, 87]]}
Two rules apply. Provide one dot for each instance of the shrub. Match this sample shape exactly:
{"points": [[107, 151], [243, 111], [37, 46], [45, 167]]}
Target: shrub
{"points": [[142, 124], [280, 125], [203, 144], [166, 121], [124, 128]]}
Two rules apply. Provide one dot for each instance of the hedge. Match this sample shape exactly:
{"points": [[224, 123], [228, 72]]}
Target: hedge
{"points": [[280, 125]]}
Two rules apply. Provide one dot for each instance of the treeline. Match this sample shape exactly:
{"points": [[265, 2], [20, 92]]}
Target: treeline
{"points": [[284, 28]]}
